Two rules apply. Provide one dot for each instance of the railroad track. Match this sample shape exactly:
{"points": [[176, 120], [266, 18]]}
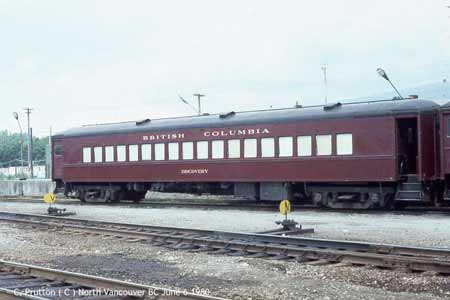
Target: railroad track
{"points": [[218, 204], [21, 281], [233, 204], [304, 250]]}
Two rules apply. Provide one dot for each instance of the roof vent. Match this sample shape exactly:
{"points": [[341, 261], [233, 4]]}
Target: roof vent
{"points": [[142, 122], [227, 114], [332, 106]]}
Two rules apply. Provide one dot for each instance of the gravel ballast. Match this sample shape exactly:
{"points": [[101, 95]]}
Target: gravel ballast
{"points": [[415, 229], [225, 276], [235, 277]]}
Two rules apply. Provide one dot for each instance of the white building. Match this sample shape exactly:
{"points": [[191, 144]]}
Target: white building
{"points": [[38, 171]]}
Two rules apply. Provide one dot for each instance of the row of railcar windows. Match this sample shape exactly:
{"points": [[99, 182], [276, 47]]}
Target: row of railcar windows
{"points": [[344, 146]]}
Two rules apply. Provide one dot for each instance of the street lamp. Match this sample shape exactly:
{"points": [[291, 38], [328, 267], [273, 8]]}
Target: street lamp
{"points": [[16, 116], [383, 74]]}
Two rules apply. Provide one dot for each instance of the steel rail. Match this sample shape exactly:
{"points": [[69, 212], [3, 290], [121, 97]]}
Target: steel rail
{"points": [[241, 246], [249, 247], [19, 281], [231, 204], [442, 253]]}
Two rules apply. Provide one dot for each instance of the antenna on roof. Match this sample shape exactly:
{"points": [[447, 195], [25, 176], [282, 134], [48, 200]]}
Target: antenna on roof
{"points": [[444, 81], [189, 104], [383, 74], [197, 110], [324, 69], [198, 95]]}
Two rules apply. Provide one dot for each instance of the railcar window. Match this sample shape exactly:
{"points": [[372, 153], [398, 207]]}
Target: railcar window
{"points": [[133, 153], [285, 146], [160, 151], [250, 148], [173, 151], [234, 148], [98, 154], [146, 151], [121, 153], [217, 149], [109, 153], [87, 157], [304, 145], [323, 144], [188, 150], [58, 149], [344, 144], [267, 147], [202, 150]]}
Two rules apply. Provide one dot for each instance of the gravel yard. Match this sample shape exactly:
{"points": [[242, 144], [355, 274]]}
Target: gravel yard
{"points": [[235, 277], [415, 229], [230, 277]]}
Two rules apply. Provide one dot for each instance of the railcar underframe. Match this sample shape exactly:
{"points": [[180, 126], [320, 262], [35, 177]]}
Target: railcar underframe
{"points": [[357, 196]]}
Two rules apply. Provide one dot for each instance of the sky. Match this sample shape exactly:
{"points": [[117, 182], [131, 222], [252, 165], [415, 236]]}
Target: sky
{"points": [[87, 61]]}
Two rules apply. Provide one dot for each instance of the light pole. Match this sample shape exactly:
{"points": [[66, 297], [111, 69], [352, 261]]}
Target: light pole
{"points": [[16, 116], [383, 74]]}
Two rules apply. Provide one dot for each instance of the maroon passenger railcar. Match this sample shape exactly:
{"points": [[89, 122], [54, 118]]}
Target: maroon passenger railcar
{"points": [[357, 155], [444, 154]]}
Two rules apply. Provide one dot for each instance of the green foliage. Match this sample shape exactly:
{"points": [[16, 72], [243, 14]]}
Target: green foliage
{"points": [[10, 148]]}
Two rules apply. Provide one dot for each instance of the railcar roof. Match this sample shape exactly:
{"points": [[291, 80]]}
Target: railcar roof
{"points": [[346, 110]]}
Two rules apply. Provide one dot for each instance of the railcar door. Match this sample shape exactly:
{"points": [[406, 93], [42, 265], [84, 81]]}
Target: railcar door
{"points": [[57, 157], [427, 137], [445, 142], [407, 145]]}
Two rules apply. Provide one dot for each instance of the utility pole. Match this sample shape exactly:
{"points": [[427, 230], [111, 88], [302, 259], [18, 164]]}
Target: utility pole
{"points": [[199, 103], [49, 157], [324, 69], [30, 142], [444, 81]]}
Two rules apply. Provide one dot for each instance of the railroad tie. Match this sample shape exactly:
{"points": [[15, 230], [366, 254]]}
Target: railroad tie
{"points": [[319, 262], [311, 251], [135, 240]]}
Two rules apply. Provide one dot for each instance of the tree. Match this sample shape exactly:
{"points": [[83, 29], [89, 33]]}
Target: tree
{"points": [[10, 149]]}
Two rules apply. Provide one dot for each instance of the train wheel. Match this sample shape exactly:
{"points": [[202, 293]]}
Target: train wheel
{"points": [[317, 199], [399, 205], [138, 196], [388, 201], [82, 196], [114, 196]]}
